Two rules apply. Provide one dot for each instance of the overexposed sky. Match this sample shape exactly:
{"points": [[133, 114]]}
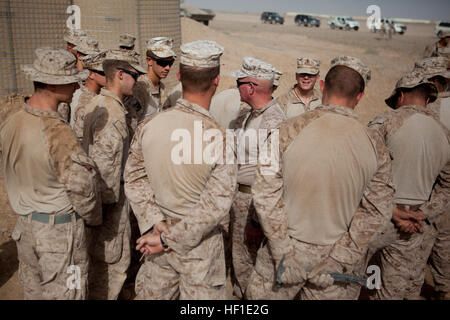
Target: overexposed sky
{"points": [[415, 9]]}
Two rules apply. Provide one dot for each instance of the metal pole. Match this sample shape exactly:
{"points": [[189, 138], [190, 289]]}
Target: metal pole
{"points": [[11, 47]]}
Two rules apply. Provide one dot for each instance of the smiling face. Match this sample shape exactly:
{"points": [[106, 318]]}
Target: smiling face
{"points": [[306, 81]]}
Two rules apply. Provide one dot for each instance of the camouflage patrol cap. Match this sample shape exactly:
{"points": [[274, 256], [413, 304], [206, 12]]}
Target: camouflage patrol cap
{"points": [[87, 45], [73, 36], [201, 53], [434, 66], [444, 35], [353, 63], [255, 68], [161, 47], [276, 77], [411, 80], [54, 66], [94, 61], [126, 40], [308, 66], [444, 52], [132, 57]]}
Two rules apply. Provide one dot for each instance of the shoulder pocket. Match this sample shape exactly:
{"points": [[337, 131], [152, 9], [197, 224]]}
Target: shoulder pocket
{"points": [[121, 128]]}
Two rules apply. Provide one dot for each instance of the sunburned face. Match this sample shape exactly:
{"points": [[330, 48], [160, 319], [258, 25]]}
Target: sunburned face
{"points": [[306, 81]]}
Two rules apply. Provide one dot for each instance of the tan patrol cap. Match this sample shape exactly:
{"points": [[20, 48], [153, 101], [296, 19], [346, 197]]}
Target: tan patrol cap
{"points": [[201, 53], [254, 68], [87, 45], [73, 36], [308, 66], [94, 61], [126, 40], [411, 80], [131, 57], [353, 63], [54, 66], [434, 66], [161, 47], [276, 77]]}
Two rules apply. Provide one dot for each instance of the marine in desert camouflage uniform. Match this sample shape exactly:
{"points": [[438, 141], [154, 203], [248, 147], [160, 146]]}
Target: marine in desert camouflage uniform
{"points": [[420, 148], [255, 85], [432, 50], [328, 195], [106, 140], [436, 71], [303, 96], [179, 203], [51, 183], [73, 38], [87, 91]]}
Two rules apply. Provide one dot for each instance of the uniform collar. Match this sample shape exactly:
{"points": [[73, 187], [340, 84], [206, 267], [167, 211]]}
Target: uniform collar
{"points": [[152, 88], [186, 104], [444, 94], [345, 111], [41, 113], [316, 94], [257, 112], [105, 92]]}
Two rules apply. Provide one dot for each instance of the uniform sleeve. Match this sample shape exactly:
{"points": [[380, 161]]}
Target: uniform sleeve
{"points": [[78, 122], [267, 192], [213, 207], [107, 153], [373, 214], [440, 196], [138, 188], [74, 169]]}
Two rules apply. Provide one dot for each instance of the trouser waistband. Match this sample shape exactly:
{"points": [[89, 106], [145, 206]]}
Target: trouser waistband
{"points": [[46, 218]]}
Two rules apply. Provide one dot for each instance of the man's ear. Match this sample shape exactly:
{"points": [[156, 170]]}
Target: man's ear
{"points": [[91, 75], [178, 75], [217, 80], [359, 97], [149, 61], [322, 85]]}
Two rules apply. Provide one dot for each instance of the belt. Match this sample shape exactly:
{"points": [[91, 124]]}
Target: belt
{"points": [[245, 188], [45, 217]]}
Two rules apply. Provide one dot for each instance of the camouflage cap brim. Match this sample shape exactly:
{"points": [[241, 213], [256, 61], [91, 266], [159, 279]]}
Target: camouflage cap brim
{"points": [[39, 76], [312, 71]]}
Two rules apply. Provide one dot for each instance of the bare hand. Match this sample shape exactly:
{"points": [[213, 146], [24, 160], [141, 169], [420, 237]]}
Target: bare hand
{"points": [[161, 227], [150, 244]]}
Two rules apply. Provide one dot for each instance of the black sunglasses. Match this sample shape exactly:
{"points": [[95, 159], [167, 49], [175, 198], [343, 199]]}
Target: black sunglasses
{"points": [[164, 63], [240, 83], [135, 75], [102, 73]]}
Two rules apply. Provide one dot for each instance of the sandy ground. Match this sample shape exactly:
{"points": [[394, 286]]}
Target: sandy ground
{"points": [[244, 35]]}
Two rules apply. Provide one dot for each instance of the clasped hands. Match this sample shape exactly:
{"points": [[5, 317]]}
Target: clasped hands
{"points": [[150, 243], [409, 221]]}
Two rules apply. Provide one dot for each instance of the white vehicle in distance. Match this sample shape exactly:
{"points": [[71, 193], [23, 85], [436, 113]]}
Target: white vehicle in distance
{"points": [[346, 23], [377, 26], [442, 26]]}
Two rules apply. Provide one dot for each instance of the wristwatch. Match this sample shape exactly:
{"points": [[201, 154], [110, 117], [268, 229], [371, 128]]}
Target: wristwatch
{"points": [[164, 245]]}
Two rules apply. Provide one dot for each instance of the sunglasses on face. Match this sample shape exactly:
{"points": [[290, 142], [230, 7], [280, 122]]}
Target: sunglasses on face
{"points": [[99, 72], [304, 75], [240, 83], [135, 75], [163, 63]]}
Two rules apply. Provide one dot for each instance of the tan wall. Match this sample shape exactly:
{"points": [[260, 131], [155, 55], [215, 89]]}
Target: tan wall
{"points": [[38, 23]]}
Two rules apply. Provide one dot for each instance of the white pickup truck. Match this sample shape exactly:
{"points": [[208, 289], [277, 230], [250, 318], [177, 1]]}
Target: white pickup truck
{"points": [[346, 23], [377, 26]]}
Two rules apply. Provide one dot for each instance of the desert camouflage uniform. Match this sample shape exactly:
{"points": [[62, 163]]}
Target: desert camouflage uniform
{"points": [[80, 99], [292, 105], [64, 111], [403, 261], [148, 96], [193, 205], [362, 199], [106, 140], [47, 172], [173, 96], [242, 210], [440, 255]]}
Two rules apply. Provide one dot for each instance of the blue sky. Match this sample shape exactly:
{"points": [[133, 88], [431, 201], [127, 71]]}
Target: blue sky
{"points": [[415, 9]]}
